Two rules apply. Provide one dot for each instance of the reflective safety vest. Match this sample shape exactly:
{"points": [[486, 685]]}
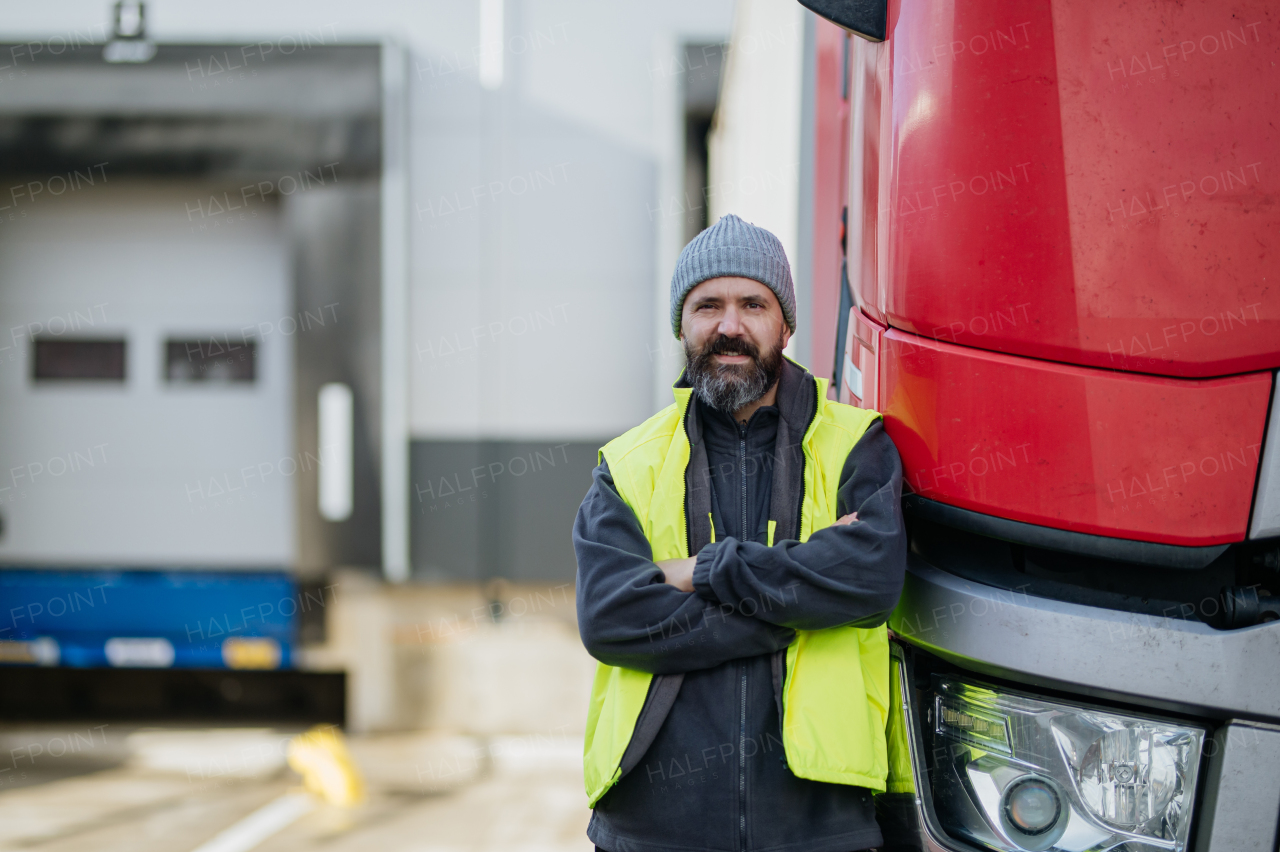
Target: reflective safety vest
{"points": [[836, 692]]}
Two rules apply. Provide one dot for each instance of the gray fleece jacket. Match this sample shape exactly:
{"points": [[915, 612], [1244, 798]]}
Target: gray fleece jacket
{"points": [[705, 768]]}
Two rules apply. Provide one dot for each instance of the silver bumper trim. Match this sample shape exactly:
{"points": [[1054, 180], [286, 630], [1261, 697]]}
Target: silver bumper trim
{"points": [[1170, 663]]}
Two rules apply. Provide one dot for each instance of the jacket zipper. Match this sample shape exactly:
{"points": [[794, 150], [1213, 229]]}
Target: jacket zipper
{"points": [[742, 698], [742, 478], [742, 761]]}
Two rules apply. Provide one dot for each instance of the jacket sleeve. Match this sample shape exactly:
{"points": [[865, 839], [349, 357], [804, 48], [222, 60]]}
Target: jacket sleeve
{"points": [[629, 617], [843, 575]]}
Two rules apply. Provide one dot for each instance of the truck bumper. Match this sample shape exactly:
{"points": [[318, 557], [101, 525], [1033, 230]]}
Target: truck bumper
{"points": [[1225, 678]]}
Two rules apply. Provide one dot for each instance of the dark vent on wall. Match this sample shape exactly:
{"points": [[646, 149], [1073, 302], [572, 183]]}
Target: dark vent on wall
{"points": [[98, 360], [216, 359]]}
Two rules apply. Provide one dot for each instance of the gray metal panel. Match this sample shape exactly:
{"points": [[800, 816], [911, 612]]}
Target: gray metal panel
{"points": [[446, 512], [487, 509], [336, 254], [1242, 791], [1162, 662], [1266, 508]]}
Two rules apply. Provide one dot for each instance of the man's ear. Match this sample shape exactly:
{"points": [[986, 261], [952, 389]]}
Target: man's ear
{"points": [[786, 334]]}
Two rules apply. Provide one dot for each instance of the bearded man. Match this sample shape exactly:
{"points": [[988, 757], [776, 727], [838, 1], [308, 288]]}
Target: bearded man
{"points": [[738, 556]]}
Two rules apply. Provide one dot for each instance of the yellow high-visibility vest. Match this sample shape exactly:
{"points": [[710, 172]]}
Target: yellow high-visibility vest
{"points": [[836, 693]]}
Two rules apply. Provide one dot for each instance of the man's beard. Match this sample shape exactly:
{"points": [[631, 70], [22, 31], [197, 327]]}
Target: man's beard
{"points": [[728, 387]]}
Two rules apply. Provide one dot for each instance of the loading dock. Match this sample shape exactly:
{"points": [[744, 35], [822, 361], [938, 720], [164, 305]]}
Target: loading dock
{"points": [[192, 247]]}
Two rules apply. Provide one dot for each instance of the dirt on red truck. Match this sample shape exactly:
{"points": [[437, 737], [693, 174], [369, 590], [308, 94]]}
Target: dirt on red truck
{"points": [[1044, 249]]}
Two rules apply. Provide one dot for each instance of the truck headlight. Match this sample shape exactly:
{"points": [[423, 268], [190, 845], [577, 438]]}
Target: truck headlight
{"points": [[1015, 772]]}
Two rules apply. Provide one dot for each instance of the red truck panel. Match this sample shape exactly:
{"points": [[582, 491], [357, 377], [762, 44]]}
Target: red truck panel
{"points": [[1077, 448], [867, 171], [1085, 182], [860, 378], [831, 117]]}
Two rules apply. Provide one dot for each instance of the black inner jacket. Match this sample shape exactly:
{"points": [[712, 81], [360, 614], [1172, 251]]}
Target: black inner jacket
{"points": [[705, 768]]}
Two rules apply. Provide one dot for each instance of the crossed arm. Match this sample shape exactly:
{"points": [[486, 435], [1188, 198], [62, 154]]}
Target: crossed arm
{"points": [[679, 572], [628, 616], [738, 599]]}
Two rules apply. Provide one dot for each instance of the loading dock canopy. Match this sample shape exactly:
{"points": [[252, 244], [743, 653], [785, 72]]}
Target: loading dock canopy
{"points": [[239, 111]]}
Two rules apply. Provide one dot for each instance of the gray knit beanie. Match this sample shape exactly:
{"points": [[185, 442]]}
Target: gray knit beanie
{"points": [[732, 247]]}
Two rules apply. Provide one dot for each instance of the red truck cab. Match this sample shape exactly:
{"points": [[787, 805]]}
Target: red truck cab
{"points": [[1044, 249]]}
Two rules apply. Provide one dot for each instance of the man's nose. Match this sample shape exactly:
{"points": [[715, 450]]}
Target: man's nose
{"points": [[730, 323]]}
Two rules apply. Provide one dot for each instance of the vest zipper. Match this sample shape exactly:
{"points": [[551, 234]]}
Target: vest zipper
{"points": [[688, 527]]}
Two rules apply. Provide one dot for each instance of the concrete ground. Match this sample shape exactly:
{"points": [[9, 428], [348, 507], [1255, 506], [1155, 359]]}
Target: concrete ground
{"points": [[175, 790]]}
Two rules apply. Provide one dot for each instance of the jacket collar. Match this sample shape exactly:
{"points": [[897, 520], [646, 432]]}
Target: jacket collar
{"points": [[797, 397]]}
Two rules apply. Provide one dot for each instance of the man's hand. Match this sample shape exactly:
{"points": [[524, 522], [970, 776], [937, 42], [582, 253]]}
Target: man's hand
{"points": [[678, 572], [847, 519]]}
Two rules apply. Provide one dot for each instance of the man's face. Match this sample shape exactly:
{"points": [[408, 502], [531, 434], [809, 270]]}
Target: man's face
{"points": [[734, 333]]}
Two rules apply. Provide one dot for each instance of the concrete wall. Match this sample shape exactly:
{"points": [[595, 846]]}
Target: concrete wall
{"points": [[499, 659]]}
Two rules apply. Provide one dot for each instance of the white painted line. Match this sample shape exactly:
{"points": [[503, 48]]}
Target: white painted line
{"points": [[261, 824]]}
